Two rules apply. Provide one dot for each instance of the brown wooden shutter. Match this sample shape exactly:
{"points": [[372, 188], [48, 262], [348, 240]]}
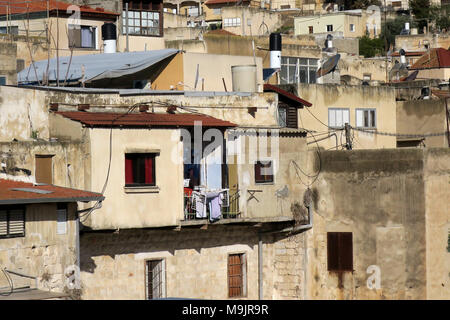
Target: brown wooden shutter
{"points": [[332, 251], [292, 117], [44, 170], [235, 275], [340, 251]]}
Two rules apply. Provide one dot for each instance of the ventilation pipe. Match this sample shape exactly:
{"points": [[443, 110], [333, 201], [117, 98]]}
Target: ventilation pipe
{"points": [[402, 56], [407, 26], [109, 37], [275, 50]]}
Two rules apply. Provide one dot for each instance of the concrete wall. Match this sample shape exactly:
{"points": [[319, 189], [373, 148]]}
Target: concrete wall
{"points": [[324, 97], [423, 117], [389, 226], [254, 21], [441, 73], [357, 66], [437, 179], [417, 42], [196, 263], [41, 253], [8, 62]]}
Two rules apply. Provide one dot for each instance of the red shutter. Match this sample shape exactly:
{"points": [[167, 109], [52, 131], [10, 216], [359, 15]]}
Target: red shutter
{"points": [[128, 171], [149, 170]]}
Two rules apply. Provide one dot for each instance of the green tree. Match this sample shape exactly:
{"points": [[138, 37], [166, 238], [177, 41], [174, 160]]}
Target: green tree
{"points": [[421, 11], [371, 47]]}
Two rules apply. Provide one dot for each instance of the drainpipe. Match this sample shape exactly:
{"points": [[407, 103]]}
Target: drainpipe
{"points": [[260, 266]]}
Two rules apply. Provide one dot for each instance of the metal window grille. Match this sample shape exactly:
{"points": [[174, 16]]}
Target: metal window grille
{"points": [[155, 286]]}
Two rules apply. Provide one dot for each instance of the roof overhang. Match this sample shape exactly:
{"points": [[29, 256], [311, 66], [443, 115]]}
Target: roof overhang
{"points": [[287, 96]]}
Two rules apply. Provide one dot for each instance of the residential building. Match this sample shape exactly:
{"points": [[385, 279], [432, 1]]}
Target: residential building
{"points": [[39, 239], [435, 64], [352, 23], [214, 11], [422, 42]]}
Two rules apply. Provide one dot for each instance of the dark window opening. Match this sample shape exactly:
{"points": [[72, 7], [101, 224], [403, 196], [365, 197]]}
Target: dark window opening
{"points": [[12, 222], [263, 172], [140, 169], [311, 29], [329, 28], [340, 251], [81, 36], [236, 275], [2, 81], [288, 116]]}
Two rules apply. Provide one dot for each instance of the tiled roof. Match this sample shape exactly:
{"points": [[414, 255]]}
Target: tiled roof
{"points": [[435, 58], [143, 120], [21, 6], [409, 53], [30, 193], [287, 95]]}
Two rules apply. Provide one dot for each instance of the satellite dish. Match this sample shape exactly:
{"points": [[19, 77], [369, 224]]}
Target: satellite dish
{"points": [[328, 66]]}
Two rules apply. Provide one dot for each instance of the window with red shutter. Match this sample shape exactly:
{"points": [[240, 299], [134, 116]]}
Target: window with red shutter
{"points": [[236, 275], [140, 169]]}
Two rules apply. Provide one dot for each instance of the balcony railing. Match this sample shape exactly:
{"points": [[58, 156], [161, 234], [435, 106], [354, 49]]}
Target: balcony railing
{"points": [[229, 208]]}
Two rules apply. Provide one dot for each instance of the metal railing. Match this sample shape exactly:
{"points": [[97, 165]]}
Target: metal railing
{"points": [[229, 210]]}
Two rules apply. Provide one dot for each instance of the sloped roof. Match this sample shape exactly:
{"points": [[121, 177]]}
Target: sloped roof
{"points": [[17, 192], [435, 58], [22, 7], [94, 67], [143, 120], [286, 95]]}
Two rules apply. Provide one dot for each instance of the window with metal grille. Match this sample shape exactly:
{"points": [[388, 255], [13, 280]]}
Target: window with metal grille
{"points": [[12, 222], [140, 169], [287, 116], [155, 283], [340, 251], [298, 70], [144, 18], [263, 171], [366, 118], [237, 275]]}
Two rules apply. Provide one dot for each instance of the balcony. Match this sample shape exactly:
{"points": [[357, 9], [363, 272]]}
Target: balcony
{"points": [[195, 208]]}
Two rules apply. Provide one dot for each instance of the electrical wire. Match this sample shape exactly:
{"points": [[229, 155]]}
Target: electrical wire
{"points": [[10, 282]]}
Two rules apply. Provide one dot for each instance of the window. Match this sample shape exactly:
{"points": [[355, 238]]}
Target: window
{"points": [[340, 251], [374, 29], [61, 218], [10, 30], [311, 29], [237, 275], [366, 118], [193, 11], [2, 81], [352, 27], [263, 171], [329, 28], [338, 117], [44, 169], [287, 116], [140, 169], [231, 22], [82, 36], [155, 274], [12, 222], [217, 11], [298, 70], [367, 28], [144, 18]]}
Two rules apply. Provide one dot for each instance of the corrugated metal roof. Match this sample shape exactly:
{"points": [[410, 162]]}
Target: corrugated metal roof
{"points": [[22, 7], [293, 98], [435, 58], [143, 120], [15, 192], [93, 67]]}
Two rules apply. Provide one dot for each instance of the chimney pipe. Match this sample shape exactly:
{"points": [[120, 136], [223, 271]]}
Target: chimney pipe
{"points": [[402, 56], [275, 50], [109, 37]]}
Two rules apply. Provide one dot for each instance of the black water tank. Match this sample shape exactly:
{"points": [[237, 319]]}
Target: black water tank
{"points": [[275, 42], [109, 31]]}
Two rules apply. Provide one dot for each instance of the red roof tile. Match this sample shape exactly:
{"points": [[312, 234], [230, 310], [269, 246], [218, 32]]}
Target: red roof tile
{"points": [[435, 58], [409, 53], [293, 98], [143, 120], [21, 6], [8, 194]]}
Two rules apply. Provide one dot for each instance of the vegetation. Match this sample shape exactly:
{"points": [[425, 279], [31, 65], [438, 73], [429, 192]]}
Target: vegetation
{"points": [[371, 47]]}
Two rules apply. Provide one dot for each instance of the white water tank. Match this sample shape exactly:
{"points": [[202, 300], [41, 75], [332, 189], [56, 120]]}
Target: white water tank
{"points": [[244, 78]]}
